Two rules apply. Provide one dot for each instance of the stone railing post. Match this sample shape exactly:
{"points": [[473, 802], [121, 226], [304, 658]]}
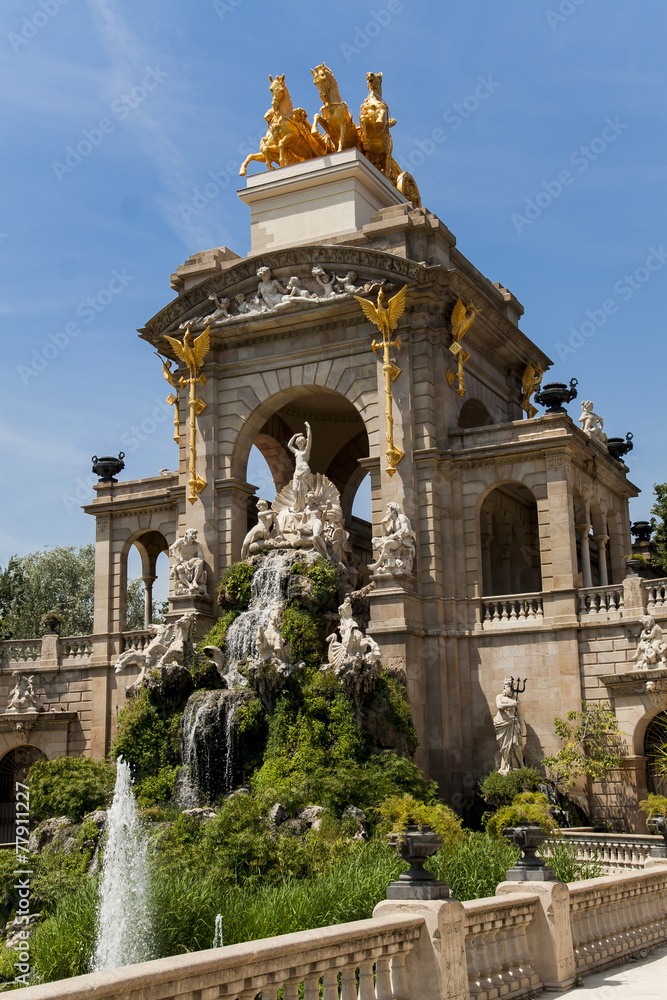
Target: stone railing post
{"points": [[436, 967], [549, 934], [634, 597]]}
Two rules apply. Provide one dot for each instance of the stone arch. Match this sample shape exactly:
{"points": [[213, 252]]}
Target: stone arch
{"points": [[14, 766], [272, 443], [509, 540], [149, 544], [474, 414]]}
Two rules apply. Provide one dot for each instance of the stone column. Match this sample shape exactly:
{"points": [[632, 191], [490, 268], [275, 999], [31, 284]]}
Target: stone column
{"points": [[148, 582], [584, 530], [601, 542]]}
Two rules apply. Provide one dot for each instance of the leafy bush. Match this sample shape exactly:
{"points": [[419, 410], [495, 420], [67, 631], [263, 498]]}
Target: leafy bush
{"points": [[63, 943], [146, 738], [156, 788], [316, 592], [70, 786], [654, 805], [499, 789], [528, 807], [591, 745], [399, 811], [217, 633], [474, 865], [304, 632], [562, 857], [234, 586]]}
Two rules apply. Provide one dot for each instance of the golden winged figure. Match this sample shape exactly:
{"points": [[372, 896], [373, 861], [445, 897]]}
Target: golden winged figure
{"points": [[386, 314], [190, 351], [530, 382], [462, 319]]}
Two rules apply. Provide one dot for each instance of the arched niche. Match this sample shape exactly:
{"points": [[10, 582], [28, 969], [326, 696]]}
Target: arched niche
{"points": [[510, 541], [150, 545], [474, 414], [14, 768]]}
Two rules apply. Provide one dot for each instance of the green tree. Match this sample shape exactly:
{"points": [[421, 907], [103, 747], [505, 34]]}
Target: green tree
{"points": [[58, 579], [591, 745], [659, 510]]}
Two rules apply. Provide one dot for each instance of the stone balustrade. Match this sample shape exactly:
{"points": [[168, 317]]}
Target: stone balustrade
{"points": [[496, 944], [616, 852], [512, 609], [615, 916], [656, 595], [137, 639], [604, 602], [76, 647], [15, 651], [529, 937]]}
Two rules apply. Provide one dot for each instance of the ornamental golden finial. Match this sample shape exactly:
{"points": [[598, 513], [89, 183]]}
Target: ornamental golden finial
{"points": [[172, 398], [192, 353], [385, 317], [462, 319], [531, 382]]}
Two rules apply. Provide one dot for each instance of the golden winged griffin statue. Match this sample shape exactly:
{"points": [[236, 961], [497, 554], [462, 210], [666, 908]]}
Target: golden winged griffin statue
{"points": [[291, 138], [385, 316], [191, 353]]}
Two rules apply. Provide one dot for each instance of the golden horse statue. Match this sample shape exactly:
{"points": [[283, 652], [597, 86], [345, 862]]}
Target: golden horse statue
{"points": [[289, 138], [375, 123], [334, 116]]}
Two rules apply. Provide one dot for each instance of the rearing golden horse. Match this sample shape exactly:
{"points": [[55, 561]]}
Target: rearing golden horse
{"points": [[289, 139], [334, 115]]}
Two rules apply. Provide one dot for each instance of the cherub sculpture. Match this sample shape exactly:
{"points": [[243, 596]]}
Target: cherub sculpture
{"points": [[591, 423], [652, 650]]}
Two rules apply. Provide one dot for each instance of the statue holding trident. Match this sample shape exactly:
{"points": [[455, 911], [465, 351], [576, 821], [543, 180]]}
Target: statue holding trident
{"points": [[300, 447], [509, 725]]}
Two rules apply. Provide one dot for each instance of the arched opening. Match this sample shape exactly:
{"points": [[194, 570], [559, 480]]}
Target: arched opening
{"points": [[474, 414], [339, 441], [14, 768], [141, 573], [655, 738], [510, 542]]}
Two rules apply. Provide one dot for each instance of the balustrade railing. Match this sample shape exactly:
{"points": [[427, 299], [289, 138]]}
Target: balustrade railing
{"points": [[616, 852], [512, 608], [137, 639], [20, 650], [656, 594], [497, 950], [612, 917], [603, 601], [75, 646]]}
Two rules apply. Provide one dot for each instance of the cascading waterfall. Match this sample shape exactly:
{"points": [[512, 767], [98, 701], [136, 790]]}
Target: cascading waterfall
{"points": [[208, 741], [267, 589], [124, 932], [217, 936]]}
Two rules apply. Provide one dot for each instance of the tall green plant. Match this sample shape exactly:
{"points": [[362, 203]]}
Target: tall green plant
{"points": [[591, 745]]}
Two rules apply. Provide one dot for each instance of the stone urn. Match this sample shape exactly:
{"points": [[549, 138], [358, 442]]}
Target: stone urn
{"points": [[617, 447], [554, 394], [415, 845], [107, 467], [529, 868], [52, 621], [634, 564], [658, 825], [641, 531]]}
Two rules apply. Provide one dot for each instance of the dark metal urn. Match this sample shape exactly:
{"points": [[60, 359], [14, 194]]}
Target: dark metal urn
{"points": [[529, 868], [658, 825], [554, 394], [52, 623], [415, 845], [617, 447], [107, 467], [634, 566], [641, 531]]}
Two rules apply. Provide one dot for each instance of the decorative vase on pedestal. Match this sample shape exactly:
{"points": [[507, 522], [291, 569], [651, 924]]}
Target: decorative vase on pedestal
{"points": [[415, 845], [554, 394], [529, 868], [107, 467]]}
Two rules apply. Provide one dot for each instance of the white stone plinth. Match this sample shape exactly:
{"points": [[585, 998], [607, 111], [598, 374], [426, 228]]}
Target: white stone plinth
{"points": [[319, 198]]}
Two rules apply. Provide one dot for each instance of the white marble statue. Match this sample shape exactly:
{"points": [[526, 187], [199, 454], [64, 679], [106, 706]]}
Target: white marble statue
{"points": [[652, 650], [510, 729], [346, 284], [311, 526], [326, 281], [221, 310], [242, 306], [334, 532], [300, 447], [261, 532], [187, 568], [23, 698], [270, 644], [171, 645], [293, 291], [270, 292], [354, 658], [395, 547], [591, 423], [231, 675]]}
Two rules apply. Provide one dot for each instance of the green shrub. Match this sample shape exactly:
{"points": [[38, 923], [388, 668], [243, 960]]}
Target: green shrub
{"points": [[500, 789], [654, 805], [561, 855], [304, 632], [474, 865], [318, 594], [234, 587], [63, 943], [215, 635], [147, 738], [156, 788], [528, 807], [399, 811], [69, 786]]}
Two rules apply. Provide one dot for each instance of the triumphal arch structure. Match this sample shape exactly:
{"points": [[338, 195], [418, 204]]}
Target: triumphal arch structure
{"points": [[520, 517]]}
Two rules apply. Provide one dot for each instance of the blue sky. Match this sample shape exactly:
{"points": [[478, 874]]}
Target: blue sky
{"points": [[548, 167]]}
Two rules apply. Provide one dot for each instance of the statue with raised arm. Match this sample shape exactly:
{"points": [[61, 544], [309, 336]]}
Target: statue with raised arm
{"points": [[510, 728], [395, 547], [187, 569], [652, 650], [300, 447]]}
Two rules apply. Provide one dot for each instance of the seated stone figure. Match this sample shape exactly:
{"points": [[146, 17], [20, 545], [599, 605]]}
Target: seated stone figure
{"points": [[395, 546], [652, 650], [187, 569], [261, 532]]}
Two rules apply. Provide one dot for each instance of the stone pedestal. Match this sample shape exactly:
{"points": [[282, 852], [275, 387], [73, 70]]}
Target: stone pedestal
{"points": [[323, 197]]}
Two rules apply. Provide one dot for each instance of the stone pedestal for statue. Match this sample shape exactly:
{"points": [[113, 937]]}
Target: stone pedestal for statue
{"points": [[327, 196]]}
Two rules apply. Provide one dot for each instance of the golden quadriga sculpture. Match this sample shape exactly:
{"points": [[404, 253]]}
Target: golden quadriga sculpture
{"points": [[292, 139]]}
